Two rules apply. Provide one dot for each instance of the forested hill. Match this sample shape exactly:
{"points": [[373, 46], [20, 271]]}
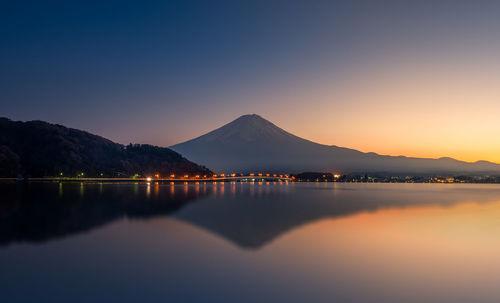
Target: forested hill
{"points": [[38, 149]]}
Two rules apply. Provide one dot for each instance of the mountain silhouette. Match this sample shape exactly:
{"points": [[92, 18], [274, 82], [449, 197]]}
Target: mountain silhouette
{"points": [[39, 149], [253, 144]]}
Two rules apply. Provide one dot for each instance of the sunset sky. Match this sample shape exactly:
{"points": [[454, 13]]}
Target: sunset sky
{"points": [[415, 78]]}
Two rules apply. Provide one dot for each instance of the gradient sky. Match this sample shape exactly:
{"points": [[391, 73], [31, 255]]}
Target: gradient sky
{"points": [[417, 78]]}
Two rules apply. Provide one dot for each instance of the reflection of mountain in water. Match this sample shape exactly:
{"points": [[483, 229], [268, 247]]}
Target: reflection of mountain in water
{"points": [[39, 212], [255, 216], [249, 216]]}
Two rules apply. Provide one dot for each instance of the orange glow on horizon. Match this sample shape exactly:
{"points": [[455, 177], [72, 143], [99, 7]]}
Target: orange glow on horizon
{"points": [[434, 105]]}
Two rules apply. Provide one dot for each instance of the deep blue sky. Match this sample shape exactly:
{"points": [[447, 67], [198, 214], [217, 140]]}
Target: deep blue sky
{"points": [[164, 71]]}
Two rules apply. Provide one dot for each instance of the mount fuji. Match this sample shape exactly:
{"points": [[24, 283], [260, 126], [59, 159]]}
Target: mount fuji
{"points": [[253, 144]]}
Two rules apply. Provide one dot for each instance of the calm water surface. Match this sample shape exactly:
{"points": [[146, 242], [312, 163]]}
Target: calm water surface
{"points": [[249, 243]]}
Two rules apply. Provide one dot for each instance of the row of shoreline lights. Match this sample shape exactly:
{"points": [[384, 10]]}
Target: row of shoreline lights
{"points": [[157, 176]]}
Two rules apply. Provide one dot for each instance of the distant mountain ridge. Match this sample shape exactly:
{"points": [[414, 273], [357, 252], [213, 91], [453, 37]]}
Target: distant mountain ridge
{"points": [[252, 144], [39, 149]]}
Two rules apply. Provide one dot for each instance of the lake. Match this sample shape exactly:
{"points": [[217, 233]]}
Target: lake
{"points": [[244, 242]]}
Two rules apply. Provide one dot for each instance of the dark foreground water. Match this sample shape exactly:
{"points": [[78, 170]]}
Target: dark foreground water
{"points": [[249, 243]]}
